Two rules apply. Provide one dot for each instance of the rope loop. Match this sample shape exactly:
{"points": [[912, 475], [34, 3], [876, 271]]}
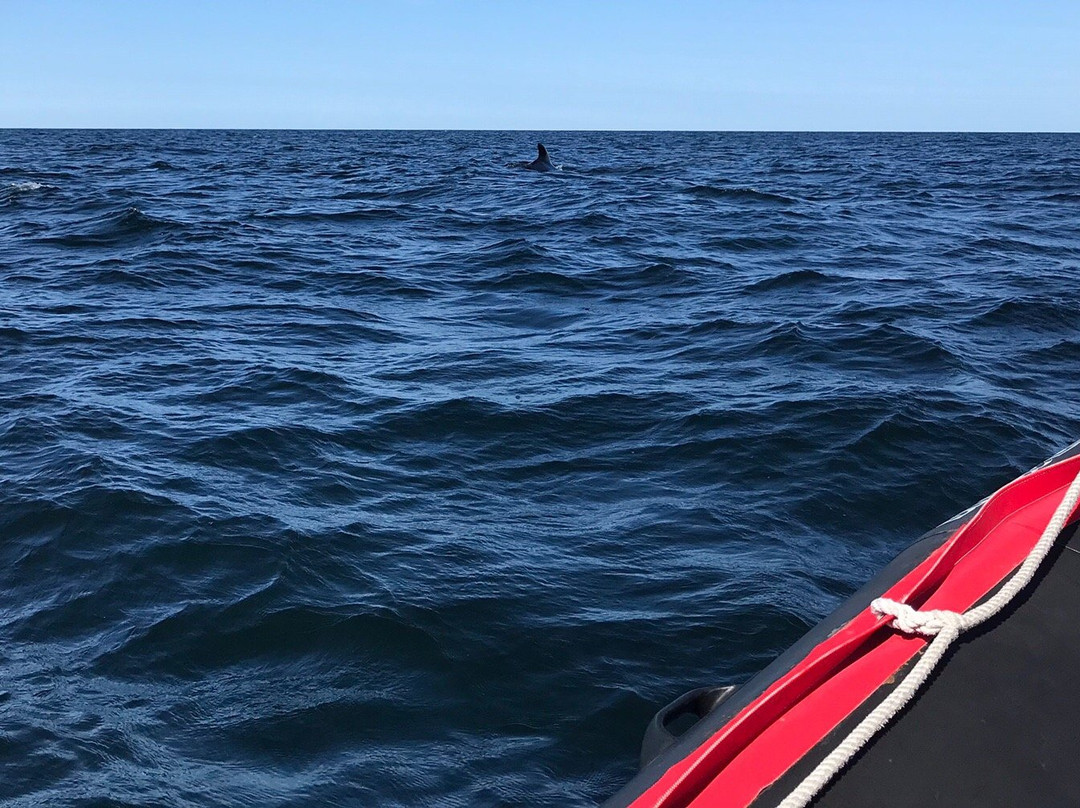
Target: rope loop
{"points": [[912, 621]]}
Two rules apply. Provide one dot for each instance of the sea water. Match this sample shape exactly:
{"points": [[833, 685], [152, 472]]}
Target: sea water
{"points": [[369, 468]]}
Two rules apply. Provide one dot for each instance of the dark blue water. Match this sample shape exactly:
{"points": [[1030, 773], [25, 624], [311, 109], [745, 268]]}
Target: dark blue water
{"points": [[369, 469]]}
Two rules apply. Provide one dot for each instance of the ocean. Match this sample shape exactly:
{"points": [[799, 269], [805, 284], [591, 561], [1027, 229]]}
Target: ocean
{"points": [[371, 469]]}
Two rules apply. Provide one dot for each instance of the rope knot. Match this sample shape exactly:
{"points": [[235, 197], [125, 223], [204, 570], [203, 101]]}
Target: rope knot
{"points": [[912, 621]]}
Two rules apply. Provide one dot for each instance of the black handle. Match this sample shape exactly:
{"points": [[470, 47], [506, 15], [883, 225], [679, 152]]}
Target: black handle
{"points": [[698, 703]]}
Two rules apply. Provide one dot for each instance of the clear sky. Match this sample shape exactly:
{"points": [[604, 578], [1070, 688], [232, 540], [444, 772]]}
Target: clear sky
{"points": [[509, 64]]}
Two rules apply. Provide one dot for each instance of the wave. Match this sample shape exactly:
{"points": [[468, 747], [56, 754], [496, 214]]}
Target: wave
{"points": [[1024, 313], [669, 334], [16, 191], [391, 195], [740, 244], [277, 387], [1065, 352], [12, 336], [126, 226], [19, 187], [541, 281], [1023, 246], [735, 194], [575, 420], [510, 254], [668, 277], [376, 280], [356, 215], [251, 632], [260, 448], [593, 219], [791, 280], [850, 346]]}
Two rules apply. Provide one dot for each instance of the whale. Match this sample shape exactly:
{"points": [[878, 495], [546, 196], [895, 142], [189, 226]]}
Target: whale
{"points": [[542, 161]]}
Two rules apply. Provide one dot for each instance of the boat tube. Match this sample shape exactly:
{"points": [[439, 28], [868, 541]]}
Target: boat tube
{"points": [[946, 680]]}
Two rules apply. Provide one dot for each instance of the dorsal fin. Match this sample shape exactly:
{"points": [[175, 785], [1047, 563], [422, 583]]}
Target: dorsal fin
{"points": [[541, 152]]}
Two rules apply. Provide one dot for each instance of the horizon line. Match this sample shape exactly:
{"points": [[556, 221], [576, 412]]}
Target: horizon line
{"points": [[520, 129]]}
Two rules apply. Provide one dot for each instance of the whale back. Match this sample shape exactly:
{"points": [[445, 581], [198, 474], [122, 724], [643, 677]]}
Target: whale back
{"points": [[542, 161]]}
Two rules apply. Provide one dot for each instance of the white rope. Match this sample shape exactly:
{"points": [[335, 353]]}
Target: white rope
{"points": [[944, 627]]}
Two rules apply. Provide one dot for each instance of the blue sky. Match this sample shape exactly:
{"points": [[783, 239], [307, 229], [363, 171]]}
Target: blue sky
{"points": [[588, 64]]}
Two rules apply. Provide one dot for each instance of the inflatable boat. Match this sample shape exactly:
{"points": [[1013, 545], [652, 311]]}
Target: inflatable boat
{"points": [[946, 681]]}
